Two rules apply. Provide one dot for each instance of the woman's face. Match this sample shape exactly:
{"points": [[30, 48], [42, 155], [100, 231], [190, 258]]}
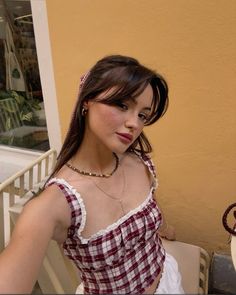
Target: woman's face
{"points": [[117, 126]]}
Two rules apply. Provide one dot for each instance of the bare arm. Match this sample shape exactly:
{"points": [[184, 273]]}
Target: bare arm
{"points": [[20, 262]]}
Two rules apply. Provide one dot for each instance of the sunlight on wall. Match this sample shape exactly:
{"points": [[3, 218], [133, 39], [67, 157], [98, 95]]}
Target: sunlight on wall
{"points": [[193, 44]]}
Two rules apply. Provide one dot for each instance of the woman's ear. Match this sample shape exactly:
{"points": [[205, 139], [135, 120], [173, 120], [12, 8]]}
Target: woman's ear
{"points": [[86, 105]]}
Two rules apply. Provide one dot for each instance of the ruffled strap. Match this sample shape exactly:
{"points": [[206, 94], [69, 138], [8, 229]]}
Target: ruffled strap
{"points": [[147, 160], [74, 200]]}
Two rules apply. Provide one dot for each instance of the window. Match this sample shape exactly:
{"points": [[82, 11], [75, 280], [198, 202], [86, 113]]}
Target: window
{"points": [[22, 111]]}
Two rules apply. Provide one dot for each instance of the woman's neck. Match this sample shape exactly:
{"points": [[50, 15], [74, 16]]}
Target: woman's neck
{"points": [[92, 158]]}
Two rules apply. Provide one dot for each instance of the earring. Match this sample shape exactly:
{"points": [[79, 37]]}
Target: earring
{"points": [[84, 111]]}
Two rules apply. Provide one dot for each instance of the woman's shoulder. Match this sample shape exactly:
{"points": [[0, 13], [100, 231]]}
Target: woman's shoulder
{"points": [[143, 159], [50, 206], [139, 156], [65, 178]]}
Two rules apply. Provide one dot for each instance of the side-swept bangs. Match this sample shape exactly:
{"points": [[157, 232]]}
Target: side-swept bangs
{"points": [[126, 78], [125, 83]]}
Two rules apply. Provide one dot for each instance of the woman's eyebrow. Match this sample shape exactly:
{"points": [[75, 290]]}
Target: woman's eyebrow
{"points": [[147, 109]]}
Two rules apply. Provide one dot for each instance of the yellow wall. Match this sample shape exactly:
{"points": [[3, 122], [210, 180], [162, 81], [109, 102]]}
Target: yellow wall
{"points": [[193, 44]]}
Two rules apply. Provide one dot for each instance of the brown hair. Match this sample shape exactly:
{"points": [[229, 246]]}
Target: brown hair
{"points": [[129, 78]]}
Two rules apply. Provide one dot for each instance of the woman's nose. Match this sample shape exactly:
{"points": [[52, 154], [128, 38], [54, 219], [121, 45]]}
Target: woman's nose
{"points": [[132, 121]]}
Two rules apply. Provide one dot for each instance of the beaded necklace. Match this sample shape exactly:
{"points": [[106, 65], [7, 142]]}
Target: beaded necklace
{"points": [[95, 174]]}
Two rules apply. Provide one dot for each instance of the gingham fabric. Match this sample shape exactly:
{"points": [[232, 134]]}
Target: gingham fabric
{"points": [[124, 258]]}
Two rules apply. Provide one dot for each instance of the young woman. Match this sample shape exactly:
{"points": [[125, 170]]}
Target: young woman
{"points": [[99, 202]]}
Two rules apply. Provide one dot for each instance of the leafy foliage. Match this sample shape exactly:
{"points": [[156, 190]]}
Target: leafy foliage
{"points": [[26, 107]]}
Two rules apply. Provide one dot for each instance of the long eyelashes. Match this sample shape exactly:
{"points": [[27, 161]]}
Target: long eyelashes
{"points": [[143, 117], [122, 106]]}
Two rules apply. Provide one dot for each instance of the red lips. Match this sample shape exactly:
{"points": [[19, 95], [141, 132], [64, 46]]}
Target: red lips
{"points": [[125, 136]]}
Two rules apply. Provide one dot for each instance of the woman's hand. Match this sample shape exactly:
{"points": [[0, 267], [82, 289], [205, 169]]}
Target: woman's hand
{"points": [[167, 233]]}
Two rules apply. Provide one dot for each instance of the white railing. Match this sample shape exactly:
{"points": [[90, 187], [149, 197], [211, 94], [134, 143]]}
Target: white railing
{"points": [[16, 186], [57, 274]]}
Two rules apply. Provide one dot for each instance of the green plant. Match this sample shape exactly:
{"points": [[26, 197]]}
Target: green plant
{"points": [[26, 108]]}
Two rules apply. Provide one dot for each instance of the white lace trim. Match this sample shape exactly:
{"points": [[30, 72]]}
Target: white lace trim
{"points": [[83, 210], [79, 198], [119, 221]]}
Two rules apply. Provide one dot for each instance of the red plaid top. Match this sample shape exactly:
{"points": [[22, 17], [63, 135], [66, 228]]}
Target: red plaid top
{"points": [[124, 258]]}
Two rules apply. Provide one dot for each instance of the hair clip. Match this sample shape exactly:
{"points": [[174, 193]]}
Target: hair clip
{"points": [[83, 79]]}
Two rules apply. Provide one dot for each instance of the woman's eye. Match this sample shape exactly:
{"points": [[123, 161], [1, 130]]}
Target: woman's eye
{"points": [[143, 117], [122, 105]]}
